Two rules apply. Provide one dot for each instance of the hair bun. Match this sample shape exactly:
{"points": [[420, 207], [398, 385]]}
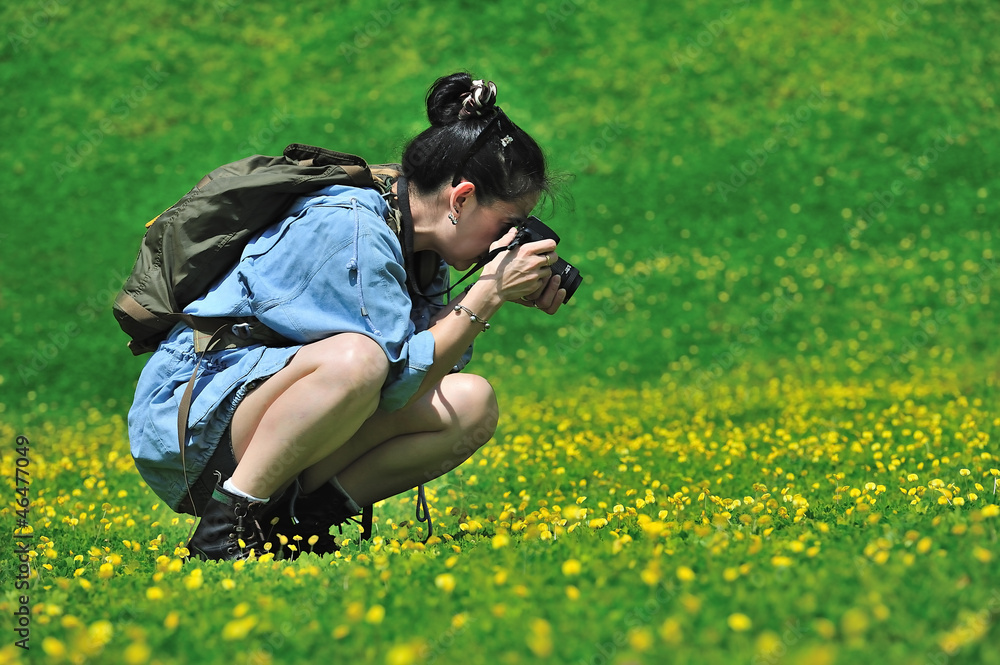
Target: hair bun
{"points": [[481, 99]]}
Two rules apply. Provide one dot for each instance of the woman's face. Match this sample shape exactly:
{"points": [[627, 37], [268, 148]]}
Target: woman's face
{"points": [[479, 226]]}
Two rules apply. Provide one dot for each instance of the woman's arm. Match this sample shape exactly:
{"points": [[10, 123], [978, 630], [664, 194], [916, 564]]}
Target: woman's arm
{"points": [[523, 272]]}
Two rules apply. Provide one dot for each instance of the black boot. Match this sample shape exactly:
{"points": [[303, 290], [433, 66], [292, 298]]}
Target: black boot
{"points": [[230, 528], [307, 515]]}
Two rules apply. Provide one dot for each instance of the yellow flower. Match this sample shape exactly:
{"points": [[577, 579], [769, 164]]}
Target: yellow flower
{"points": [[194, 580], [650, 575], [137, 653], [670, 631], [685, 574], [154, 593], [375, 614], [572, 592], [640, 639], [407, 653], [171, 621], [825, 628], [983, 554], [739, 622], [539, 638], [445, 582], [571, 567], [53, 647], [237, 629], [500, 540], [100, 633], [854, 622]]}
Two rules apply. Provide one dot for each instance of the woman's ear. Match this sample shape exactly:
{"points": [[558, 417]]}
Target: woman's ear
{"points": [[460, 195]]}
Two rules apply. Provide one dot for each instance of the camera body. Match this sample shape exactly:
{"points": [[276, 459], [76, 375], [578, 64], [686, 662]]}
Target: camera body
{"points": [[535, 229]]}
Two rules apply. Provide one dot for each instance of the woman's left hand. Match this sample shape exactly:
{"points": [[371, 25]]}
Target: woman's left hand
{"points": [[549, 298]]}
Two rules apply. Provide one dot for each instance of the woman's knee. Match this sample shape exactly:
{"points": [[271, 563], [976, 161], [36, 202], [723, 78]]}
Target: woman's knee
{"points": [[476, 407], [349, 361]]}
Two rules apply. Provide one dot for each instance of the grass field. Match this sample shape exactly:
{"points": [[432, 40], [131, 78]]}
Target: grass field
{"points": [[764, 431]]}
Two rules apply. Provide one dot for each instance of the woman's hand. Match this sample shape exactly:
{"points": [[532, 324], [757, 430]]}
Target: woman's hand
{"points": [[524, 273]]}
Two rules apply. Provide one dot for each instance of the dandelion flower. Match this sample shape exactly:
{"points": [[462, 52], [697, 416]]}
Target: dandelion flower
{"points": [[685, 574], [739, 622], [539, 638], [53, 647], [445, 582], [375, 614], [571, 567], [237, 629], [137, 653]]}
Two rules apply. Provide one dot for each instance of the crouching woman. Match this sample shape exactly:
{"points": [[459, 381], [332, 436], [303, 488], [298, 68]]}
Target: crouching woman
{"points": [[286, 442]]}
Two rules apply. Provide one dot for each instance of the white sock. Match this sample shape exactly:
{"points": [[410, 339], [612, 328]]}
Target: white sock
{"points": [[230, 487]]}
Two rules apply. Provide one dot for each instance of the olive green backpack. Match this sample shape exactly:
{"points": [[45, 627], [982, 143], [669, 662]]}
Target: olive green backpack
{"points": [[195, 241]]}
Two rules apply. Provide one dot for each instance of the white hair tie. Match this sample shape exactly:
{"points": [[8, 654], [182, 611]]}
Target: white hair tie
{"points": [[479, 100]]}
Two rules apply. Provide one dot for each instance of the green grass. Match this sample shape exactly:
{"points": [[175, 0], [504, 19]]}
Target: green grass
{"points": [[786, 215]]}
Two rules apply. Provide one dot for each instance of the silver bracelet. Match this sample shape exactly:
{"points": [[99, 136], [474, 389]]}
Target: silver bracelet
{"points": [[475, 318]]}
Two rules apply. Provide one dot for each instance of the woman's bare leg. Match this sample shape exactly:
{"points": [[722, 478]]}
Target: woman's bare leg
{"points": [[306, 411], [395, 451]]}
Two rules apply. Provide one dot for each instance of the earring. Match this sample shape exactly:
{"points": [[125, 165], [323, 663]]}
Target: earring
{"points": [[452, 218]]}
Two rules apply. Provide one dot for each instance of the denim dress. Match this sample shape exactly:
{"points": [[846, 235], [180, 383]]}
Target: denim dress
{"points": [[332, 265]]}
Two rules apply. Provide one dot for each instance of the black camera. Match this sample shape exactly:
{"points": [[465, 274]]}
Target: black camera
{"points": [[535, 229]]}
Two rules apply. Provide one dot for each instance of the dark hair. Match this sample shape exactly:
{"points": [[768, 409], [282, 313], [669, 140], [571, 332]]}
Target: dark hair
{"points": [[500, 169]]}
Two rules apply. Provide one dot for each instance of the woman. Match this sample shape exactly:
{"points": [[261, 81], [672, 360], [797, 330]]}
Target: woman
{"points": [[286, 442]]}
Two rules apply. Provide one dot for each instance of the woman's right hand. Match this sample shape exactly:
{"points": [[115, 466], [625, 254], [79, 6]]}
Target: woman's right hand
{"points": [[523, 272]]}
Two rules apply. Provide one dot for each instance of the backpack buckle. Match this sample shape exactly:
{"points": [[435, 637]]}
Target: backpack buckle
{"points": [[242, 330]]}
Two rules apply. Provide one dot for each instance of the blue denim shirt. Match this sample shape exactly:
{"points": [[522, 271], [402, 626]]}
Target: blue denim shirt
{"points": [[332, 265]]}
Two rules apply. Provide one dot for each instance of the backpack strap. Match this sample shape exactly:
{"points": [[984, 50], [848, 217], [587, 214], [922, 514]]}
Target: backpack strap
{"points": [[214, 334]]}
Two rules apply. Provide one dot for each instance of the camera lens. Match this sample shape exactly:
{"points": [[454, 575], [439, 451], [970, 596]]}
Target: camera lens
{"points": [[571, 278]]}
